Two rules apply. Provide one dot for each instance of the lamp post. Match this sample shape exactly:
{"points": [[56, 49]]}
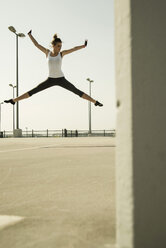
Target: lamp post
{"points": [[26, 131], [90, 81], [0, 115], [12, 29], [13, 86]]}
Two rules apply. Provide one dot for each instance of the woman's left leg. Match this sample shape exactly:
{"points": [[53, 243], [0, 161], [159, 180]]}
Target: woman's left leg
{"points": [[96, 103], [87, 97], [67, 85]]}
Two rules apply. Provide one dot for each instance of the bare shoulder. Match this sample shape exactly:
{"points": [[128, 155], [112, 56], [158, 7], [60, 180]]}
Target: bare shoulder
{"points": [[47, 52], [62, 53]]}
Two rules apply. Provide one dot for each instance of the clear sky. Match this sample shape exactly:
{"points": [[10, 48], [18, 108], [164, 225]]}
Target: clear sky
{"points": [[73, 21]]}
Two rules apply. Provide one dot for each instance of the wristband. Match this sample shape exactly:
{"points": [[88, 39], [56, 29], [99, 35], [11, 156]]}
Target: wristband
{"points": [[30, 32]]}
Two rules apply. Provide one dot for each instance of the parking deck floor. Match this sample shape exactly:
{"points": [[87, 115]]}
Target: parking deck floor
{"points": [[57, 192]]}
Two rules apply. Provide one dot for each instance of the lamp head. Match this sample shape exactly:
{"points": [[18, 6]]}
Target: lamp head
{"points": [[91, 81], [21, 35], [13, 86], [12, 29]]}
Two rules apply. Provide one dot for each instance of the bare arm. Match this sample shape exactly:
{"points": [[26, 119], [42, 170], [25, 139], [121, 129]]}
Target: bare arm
{"points": [[43, 49], [74, 49]]}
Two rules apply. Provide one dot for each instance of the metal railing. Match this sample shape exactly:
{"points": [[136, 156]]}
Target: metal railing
{"points": [[60, 133]]}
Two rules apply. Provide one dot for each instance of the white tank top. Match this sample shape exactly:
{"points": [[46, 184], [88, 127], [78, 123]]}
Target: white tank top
{"points": [[54, 66]]}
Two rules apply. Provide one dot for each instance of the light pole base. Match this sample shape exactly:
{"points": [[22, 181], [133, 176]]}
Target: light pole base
{"points": [[17, 133]]}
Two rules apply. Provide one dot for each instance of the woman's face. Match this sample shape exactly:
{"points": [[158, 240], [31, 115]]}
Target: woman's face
{"points": [[57, 47]]}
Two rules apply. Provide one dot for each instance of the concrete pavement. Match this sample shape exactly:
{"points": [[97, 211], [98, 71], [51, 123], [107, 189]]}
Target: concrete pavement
{"points": [[63, 188]]}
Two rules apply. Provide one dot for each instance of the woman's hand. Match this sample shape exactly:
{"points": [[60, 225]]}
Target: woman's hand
{"points": [[86, 42], [29, 32]]}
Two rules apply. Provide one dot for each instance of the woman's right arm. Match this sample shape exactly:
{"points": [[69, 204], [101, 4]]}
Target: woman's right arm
{"points": [[43, 49]]}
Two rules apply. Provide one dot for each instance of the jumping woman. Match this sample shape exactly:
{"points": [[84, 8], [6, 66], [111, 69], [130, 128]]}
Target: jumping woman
{"points": [[56, 76]]}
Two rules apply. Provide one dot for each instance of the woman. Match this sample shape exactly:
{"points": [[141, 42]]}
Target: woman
{"points": [[56, 76]]}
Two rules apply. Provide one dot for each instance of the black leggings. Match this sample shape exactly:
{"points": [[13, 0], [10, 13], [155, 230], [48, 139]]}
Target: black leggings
{"points": [[56, 81]]}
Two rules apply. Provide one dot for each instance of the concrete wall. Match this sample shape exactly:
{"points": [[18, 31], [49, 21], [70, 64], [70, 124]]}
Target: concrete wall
{"points": [[141, 120], [124, 195]]}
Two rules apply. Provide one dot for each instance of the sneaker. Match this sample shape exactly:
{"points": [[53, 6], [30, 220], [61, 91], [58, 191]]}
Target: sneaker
{"points": [[98, 104], [10, 101]]}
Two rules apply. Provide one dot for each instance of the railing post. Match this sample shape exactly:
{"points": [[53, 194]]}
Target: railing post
{"points": [[65, 132]]}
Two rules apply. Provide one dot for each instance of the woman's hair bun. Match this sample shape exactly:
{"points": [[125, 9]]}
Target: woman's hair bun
{"points": [[55, 40], [55, 36]]}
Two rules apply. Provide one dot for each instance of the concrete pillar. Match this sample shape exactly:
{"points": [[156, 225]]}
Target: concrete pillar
{"points": [[17, 133], [140, 54]]}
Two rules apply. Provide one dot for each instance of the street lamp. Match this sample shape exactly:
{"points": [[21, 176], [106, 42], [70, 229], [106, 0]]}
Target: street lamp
{"points": [[13, 86], [0, 115], [90, 81], [12, 29]]}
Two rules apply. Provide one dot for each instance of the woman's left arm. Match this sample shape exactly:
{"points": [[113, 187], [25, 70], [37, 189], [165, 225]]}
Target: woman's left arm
{"points": [[73, 49]]}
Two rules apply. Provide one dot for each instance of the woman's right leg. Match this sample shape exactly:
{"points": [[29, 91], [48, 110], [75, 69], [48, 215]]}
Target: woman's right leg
{"points": [[44, 85], [24, 96]]}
